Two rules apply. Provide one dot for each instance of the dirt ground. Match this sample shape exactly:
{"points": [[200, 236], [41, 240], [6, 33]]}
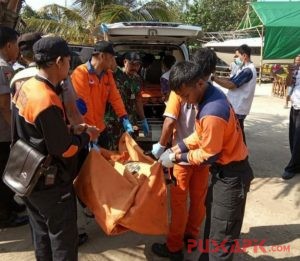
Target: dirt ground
{"points": [[272, 212]]}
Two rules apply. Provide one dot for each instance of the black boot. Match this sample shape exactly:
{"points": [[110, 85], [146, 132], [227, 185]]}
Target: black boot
{"points": [[162, 250], [82, 238]]}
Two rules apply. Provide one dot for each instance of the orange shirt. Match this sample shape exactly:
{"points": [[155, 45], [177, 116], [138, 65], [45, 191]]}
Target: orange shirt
{"points": [[41, 120], [96, 91], [218, 136]]}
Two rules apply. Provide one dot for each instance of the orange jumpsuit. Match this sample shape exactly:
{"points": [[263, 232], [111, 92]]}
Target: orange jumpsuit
{"points": [[96, 91], [191, 180]]}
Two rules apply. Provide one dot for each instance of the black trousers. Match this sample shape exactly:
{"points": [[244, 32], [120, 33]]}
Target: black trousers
{"points": [[241, 119], [6, 194], [53, 215], [225, 207], [294, 138]]}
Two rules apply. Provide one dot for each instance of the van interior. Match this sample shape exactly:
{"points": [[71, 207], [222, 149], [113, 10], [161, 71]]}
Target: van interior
{"points": [[151, 56]]}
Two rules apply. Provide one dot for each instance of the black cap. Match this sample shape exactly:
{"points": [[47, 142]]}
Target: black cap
{"points": [[26, 41], [49, 48], [104, 47], [132, 57]]}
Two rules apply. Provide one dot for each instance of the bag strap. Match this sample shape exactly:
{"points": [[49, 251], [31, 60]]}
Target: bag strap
{"points": [[15, 136], [47, 161]]}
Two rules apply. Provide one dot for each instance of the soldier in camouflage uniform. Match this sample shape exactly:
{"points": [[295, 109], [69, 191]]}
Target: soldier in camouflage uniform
{"points": [[129, 84]]}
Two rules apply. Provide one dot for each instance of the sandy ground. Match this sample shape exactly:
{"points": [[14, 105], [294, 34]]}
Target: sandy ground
{"points": [[272, 212]]}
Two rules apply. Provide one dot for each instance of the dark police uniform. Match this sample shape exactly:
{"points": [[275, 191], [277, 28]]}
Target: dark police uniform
{"points": [[6, 195]]}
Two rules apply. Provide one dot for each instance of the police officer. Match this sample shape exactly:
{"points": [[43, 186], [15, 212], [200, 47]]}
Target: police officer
{"points": [[8, 53], [25, 43], [40, 121]]}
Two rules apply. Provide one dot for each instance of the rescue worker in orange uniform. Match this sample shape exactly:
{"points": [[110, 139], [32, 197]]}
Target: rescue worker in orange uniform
{"points": [[190, 179], [218, 142], [95, 85], [68, 95], [40, 121]]}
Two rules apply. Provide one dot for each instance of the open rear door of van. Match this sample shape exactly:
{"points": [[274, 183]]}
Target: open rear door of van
{"points": [[150, 32]]}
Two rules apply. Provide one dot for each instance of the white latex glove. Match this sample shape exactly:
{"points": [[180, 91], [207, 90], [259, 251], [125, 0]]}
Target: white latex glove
{"points": [[157, 150], [166, 158]]}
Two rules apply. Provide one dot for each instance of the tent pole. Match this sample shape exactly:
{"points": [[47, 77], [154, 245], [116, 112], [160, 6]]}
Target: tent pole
{"points": [[261, 55]]}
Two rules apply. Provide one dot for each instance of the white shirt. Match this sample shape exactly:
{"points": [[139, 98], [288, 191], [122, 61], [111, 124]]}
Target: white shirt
{"points": [[295, 98], [184, 114], [241, 97]]}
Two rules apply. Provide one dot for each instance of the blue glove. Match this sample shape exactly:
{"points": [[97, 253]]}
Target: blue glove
{"points": [[166, 158], [145, 127], [157, 150], [104, 28], [94, 146], [81, 106], [127, 125]]}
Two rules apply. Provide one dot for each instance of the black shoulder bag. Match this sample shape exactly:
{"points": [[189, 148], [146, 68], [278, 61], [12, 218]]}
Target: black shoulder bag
{"points": [[25, 166]]}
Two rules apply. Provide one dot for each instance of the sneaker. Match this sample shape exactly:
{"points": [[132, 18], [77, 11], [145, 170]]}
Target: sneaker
{"points": [[162, 250], [288, 175], [189, 240]]}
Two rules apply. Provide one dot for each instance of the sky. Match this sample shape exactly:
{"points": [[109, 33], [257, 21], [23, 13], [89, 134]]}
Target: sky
{"points": [[37, 4]]}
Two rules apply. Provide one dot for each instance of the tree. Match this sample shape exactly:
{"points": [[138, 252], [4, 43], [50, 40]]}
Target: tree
{"points": [[81, 23], [9, 12], [216, 15], [56, 19]]}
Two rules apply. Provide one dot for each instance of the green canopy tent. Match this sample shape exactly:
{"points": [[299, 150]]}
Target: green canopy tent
{"points": [[279, 24]]}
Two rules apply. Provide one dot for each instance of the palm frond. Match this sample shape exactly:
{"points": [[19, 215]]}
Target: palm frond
{"points": [[115, 13], [157, 10], [60, 13], [72, 34]]}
